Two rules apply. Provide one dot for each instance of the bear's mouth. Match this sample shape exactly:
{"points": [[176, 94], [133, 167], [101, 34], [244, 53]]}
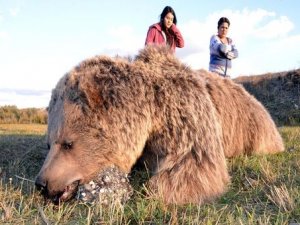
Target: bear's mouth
{"points": [[68, 193]]}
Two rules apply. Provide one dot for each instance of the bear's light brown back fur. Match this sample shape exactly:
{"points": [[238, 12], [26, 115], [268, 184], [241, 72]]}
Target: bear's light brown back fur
{"points": [[247, 127]]}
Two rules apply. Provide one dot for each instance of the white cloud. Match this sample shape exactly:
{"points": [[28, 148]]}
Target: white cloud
{"points": [[4, 40], [14, 11], [123, 41], [275, 28], [197, 33], [36, 72], [4, 35]]}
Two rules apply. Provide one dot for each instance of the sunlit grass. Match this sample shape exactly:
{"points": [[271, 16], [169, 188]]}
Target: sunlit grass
{"points": [[23, 129], [264, 190]]}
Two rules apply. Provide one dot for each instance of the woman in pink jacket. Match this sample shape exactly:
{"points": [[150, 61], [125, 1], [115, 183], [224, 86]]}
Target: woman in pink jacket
{"points": [[165, 32]]}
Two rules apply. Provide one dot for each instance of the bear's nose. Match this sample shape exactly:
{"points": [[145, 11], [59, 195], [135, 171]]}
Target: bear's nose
{"points": [[40, 183]]}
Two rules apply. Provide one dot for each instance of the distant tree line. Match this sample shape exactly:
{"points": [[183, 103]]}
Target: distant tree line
{"points": [[11, 114]]}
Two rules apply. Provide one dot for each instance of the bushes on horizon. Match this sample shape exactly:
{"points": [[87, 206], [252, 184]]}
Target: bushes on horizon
{"points": [[11, 114]]}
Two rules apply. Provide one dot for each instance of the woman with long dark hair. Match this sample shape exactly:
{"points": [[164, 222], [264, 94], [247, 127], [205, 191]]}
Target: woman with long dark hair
{"points": [[165, 31]]}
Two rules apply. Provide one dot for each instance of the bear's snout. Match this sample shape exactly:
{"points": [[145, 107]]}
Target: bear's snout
{"points": [[40, 183], [58, 195]]}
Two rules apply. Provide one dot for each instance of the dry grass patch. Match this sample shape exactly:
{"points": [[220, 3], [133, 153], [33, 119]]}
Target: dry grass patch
{"points": [[27, 129], [280, 197]]}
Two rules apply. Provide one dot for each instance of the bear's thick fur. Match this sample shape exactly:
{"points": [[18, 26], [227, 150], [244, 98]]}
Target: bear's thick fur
{"points": [[182, 123]]}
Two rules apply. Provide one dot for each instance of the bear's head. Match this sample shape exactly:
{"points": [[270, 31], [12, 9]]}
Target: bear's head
{"points": [[90, 126]]}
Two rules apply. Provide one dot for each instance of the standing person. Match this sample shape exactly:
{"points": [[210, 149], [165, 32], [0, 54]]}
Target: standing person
{"points": [[165, 31], [222, 50]]}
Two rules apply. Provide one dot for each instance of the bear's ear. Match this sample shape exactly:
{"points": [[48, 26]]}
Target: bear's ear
{"points": [[85, 94], [80, 85], [96, 82], [90, 96]]}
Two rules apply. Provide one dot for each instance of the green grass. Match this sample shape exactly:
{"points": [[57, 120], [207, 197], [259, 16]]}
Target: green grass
{"points": [[264, 190]]}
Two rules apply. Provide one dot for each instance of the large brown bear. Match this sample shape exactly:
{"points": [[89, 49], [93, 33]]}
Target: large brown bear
{"points": [[182, 123]]}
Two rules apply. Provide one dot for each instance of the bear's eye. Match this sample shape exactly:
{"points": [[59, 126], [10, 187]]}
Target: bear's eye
{"points": [[67, 145]]}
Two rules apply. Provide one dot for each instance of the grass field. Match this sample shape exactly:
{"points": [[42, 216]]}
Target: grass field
{"points": [[264, 190]]}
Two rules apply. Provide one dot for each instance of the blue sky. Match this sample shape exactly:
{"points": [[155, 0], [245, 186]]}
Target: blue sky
{"points": [[41, 40]]}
